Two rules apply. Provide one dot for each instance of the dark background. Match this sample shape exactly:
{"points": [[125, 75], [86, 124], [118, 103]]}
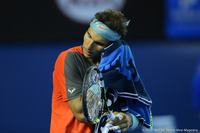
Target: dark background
{"points": [[42, 21], [32, 35]]}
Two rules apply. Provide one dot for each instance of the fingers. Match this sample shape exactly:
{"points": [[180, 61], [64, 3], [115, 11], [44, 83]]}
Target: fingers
{"points": [[119, 128], [120, 118], [121, 123]]}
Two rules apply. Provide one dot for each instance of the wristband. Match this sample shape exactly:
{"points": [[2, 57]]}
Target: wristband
{"points": [[135, 122]]}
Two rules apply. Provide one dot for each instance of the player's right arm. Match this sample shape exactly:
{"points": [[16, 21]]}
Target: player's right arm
{"points": [[76, 107], [74, 74]]}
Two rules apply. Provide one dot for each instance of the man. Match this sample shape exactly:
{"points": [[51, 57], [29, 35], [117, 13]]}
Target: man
{"points": [[70, 67]]}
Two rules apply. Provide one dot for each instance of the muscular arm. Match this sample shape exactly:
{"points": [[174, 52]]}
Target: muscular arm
{"points": [[76, 107], [74, 70]]}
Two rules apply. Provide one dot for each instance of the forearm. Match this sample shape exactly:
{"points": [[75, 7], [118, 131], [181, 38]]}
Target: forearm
{"points": [[76, 107]]}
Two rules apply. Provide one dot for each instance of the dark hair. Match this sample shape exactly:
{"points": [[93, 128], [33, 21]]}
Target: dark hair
{"points": [[115, 20]]}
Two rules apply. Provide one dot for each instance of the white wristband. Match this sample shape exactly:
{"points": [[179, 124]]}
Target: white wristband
{"points": [[135, 122]]}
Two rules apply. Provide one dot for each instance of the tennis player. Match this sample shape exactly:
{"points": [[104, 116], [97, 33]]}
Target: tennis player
{"points": [[67, 114]]}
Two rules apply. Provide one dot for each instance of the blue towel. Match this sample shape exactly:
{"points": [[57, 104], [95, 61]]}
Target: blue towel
{"points": [[119, 72]]}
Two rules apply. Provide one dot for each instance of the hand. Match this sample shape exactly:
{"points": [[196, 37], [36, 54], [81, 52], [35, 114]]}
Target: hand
{"points": [[123, 124]]}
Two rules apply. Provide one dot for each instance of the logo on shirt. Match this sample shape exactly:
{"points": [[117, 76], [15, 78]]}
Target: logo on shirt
{"points": [[71, 90]]}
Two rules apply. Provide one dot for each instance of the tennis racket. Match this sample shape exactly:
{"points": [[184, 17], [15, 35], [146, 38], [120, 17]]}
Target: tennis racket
{"points": [[94, 97]]}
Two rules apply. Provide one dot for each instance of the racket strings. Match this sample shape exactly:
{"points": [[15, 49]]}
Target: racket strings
{"points": [[93, 105], [94, 102], [94, 95]]}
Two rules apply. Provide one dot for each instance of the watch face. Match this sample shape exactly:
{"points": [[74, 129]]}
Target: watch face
{"points": [[82, 11]]}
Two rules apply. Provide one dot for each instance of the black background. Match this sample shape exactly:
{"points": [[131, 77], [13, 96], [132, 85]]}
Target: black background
{"points": [[33, 20]]}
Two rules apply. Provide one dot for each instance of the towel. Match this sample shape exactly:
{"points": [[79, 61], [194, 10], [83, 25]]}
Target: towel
{"points": [[119, 72]]}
